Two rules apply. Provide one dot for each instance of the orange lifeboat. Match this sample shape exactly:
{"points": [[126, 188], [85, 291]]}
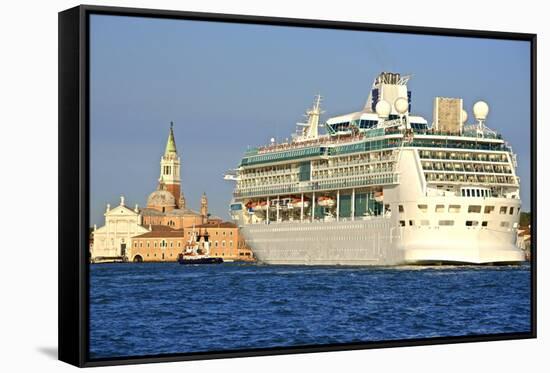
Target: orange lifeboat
{"points": [[325, 201]]}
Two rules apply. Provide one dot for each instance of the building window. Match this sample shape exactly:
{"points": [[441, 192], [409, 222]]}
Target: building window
{"points": [[223, 243], [511, 210], [446, 222], [230, 243], [471, 223], [439, 208], [454, 209], [502, 210], [155, 243], [423, 208], [484, 224], [489, 209], [402, 223], [216, 244], [148, 244], [504, 224], [411, 222], [424, 222], [401, 209], [171, 244], [474, 209]]}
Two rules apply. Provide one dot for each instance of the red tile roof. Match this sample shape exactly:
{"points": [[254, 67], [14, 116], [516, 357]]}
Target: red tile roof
{"points": [[224, 224], [172, 233]]}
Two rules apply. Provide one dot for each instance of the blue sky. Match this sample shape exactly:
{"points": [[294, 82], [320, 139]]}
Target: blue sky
{"points": [[229, 86]]}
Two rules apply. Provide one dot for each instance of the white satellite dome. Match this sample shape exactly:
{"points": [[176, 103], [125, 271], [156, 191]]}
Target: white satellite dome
{"points": [[383, 109], [481, 109], [464, 116], [401, 105]]}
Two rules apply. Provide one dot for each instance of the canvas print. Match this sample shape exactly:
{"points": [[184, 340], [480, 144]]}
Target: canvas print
{"points": [[256, 186]]}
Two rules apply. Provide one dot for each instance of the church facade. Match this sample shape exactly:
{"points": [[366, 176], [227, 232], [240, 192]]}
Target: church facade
{"points": [[112, 241]]}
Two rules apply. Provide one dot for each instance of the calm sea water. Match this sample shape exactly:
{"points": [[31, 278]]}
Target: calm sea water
{"points": [[143, 309]]}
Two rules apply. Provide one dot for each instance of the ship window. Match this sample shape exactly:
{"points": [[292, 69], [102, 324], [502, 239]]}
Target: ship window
{"points": [[454, 208], [402, 223], [471, 223], [483, 223], [135, 244], [423, 208], [511, 211], [424, 222], [411, 222], [439, 208], [503, 210], [504, 224], [474, 209], [447, 222], [489, 209], [401, 209]]}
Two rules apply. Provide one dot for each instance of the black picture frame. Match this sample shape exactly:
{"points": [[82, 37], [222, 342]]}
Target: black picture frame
{"points": [[74, 181]]}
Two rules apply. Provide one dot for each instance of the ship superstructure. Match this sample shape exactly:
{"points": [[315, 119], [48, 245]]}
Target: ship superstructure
{"points": [[382, 187]]}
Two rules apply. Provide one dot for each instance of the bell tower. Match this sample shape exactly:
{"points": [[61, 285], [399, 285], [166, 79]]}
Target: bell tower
{"points": [[204, 207], [170, 169]]}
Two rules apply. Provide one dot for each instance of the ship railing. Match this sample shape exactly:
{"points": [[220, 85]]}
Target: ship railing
{"points": [[350, 182]]}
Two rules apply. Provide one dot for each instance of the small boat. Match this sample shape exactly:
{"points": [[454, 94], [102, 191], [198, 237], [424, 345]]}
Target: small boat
{"points": [[193, 253], [199, 260], [259, 206]]}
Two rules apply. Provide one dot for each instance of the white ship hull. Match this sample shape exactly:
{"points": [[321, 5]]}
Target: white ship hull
{"points": [[378, 242]]}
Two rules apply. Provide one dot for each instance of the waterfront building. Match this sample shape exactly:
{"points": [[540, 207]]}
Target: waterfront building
{"points": [[162, 244], [160, 231], [111, 242]]}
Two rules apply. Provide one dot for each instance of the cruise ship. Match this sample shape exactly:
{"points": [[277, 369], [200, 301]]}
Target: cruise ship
{"points": [[382, 186]]}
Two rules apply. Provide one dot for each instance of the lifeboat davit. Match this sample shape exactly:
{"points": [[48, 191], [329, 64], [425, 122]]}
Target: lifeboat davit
{"points": [[325, 201]]}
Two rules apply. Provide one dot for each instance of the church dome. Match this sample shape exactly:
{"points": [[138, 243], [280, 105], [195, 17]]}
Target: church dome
{"points": [[161, 198]]}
